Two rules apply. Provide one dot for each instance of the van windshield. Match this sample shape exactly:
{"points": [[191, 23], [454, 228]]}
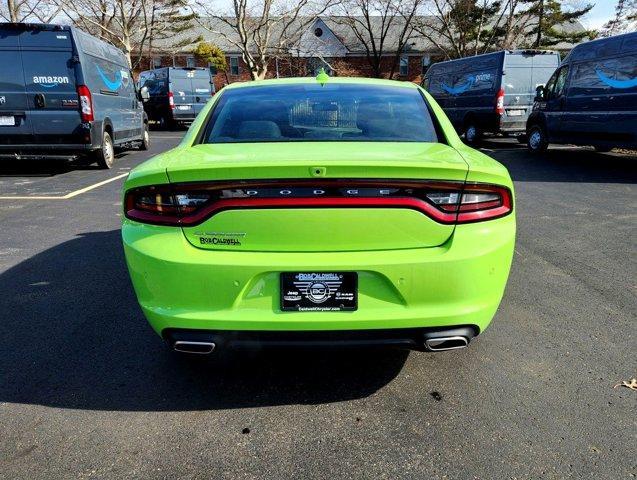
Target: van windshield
{"points": [[328, 113]]}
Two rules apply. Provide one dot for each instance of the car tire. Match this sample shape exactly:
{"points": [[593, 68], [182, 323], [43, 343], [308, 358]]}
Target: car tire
{"points": [[145, 143], [472, 135], [105, 156], [537, 141]]}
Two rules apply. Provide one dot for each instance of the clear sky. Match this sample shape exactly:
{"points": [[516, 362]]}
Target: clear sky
{"points": [[601, 12]]}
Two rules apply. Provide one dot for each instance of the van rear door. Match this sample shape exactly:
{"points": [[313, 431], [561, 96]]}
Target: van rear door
{"points": [[52, 100], [191, 90], [15, 125], [183, 93], [523, 72], [202, 89]]}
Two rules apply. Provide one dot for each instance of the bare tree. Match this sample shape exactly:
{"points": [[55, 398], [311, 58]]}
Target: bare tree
{"points": [[130, 25], [383, 27], [459, 28], [124, 23], [41, 11], [261, 30]]}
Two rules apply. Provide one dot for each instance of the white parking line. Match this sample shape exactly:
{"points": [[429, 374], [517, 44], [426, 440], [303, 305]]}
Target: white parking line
{"points": [[68, 195]]}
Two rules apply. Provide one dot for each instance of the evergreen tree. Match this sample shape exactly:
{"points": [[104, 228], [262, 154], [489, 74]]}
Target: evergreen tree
{"points": [[547, 23], [170, 23]]}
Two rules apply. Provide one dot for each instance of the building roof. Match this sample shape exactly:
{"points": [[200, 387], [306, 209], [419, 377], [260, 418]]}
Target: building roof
{"points": [[303, 42]]}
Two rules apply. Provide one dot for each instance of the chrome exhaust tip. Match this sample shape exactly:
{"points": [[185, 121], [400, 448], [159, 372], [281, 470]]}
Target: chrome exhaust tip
{"points": [[440, 344], [186, 346]]}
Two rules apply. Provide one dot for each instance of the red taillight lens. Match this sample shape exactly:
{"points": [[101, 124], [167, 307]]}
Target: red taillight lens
{"points": [[171, 100], [86, 103], [191, 204], [475, 202], [499, 102], [160, 205]]}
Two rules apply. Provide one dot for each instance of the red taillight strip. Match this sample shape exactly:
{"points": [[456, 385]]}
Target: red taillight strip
{"points": [[323, 202], [466, 213]]}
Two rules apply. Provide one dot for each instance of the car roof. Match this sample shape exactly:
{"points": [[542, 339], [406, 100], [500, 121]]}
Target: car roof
{"points": [[313, 81]]}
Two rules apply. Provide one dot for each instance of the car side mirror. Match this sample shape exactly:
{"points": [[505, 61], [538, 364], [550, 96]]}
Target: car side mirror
{"points": [[540, 93]]}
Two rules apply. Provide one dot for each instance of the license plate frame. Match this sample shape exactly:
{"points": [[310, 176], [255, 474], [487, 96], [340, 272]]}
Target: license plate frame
{"points": [[515, 113], [7, 121], [183, 107], [318, 291]]}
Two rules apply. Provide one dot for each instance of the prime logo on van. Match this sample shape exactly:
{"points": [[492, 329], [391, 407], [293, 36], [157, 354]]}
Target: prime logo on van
{"points": [[612, 82], [50, 81]]}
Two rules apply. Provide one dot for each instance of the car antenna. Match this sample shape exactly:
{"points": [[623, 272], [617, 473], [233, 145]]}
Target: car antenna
{"points": [[322, 77]]}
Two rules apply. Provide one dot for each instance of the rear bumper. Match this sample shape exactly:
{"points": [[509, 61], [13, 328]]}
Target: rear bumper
{"points": [[406, 338], [37, 151], [459, 283]]}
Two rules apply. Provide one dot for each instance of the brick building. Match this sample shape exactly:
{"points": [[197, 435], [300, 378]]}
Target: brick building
{"points": [[327, 42]]}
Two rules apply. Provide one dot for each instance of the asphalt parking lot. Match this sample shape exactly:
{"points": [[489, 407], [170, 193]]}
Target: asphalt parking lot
{"points": [[88, 390]]}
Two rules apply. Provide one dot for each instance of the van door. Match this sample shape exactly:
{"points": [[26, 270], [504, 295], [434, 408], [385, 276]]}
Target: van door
{"points": [[202, 89], [556, 102], [49, 70], [15, 125], [183, 93], [602, 101]]}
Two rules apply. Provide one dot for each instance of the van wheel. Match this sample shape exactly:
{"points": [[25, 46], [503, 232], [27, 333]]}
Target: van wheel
{"points": [[145, 143], [105, 156], [166, 123], [471, 133], [536, 139]]}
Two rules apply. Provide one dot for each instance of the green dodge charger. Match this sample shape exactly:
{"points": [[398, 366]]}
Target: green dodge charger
{"points": [[313, 212]]}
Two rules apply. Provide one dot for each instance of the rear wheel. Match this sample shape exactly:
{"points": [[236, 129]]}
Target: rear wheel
{"points": [[145, 143], [537, 141], [166, 123], [471, 133], [105, 156]]}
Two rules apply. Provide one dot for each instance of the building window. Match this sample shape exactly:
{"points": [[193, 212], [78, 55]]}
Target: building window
{"points": [[213, 69], [234, 65], [426, 61], [156, 62], [404, 66], [190, 62]]}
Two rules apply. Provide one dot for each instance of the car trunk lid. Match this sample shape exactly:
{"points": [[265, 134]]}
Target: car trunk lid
{"points": [[317, 197]]}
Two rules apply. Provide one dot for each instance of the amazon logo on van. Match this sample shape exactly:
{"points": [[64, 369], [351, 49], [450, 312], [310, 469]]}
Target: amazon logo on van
{"points": [[611, 82], [50, 81], [467, 85]]}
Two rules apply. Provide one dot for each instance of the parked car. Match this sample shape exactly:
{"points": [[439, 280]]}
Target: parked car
{"points": [[64, 93], [591, 99], [313, 212], [174, 95], [492, 92]]}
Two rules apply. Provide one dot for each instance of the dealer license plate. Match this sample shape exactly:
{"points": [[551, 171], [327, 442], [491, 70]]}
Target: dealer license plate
{"points": [[319, 291]]}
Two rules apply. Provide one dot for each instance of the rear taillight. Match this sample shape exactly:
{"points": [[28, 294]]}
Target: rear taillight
{"points": [[476, 202], [499, 102], [171, 100], [86, 103], [191, 204]]}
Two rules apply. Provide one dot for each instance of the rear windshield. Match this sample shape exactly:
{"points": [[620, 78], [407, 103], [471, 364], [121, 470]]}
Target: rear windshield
{"points": [[329, 113], [520, 80]]}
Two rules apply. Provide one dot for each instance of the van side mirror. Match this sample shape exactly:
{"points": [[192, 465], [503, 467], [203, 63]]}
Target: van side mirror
{"points": [[540, 93], [143, 94]]}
